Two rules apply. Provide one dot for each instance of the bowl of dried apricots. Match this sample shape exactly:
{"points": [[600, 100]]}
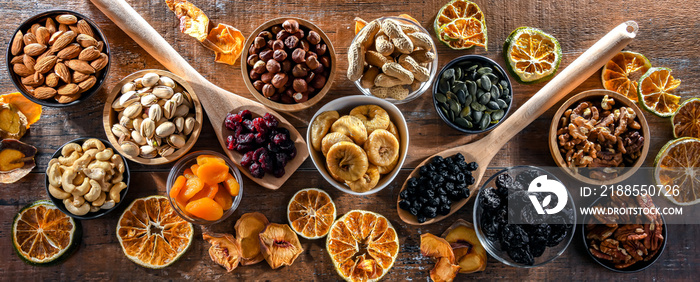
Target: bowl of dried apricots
{"points": [[204, 187]]}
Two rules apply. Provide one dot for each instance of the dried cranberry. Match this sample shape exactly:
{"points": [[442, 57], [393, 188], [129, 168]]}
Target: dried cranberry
{"points": [[282, 159], [286, 145], [266, 163], [246, 114], [232, 120], [231, 142], [245, 138], [283, 131], [273, 148], [259, 138], [279, 172], [258, 153], [243, 148], [256, 171], [270, 121], [292, 153], [279, 139], [247, 159], [260, 126], [248, 124], [237, 130]]}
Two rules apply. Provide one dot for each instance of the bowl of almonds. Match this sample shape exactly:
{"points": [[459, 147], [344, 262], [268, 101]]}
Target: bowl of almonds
{"points": [[152, 117], [58, 58]]}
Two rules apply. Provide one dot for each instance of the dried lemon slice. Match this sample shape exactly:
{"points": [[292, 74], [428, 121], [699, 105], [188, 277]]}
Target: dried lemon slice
{"points": [[686, 120], [678, 165], [311, 212], [619, 73], [531, 55], [460, 24], [42, 234], [655, 89]]}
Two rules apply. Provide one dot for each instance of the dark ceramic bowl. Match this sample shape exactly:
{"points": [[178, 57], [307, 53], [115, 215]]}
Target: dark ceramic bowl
{"points": [[101, 76], [484, 62], [90, 215]]}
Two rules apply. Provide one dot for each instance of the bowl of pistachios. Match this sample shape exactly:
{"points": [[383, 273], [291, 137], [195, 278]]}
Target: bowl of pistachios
{"points": [[472, 94], [152, 117]]}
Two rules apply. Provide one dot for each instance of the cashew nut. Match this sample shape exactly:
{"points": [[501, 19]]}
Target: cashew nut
{"points": [[105, 154], [77, 200], [100, 200], [105, 185], [101, 164], [94, 209], [115, 190], [69, 148], [95, 191], [81, 162], [67, 179], [82, 189], [68, 161], [79, 178], [58, 193], [108, 205], [93, 143], [54, 173], [118, 163], [76, 209], [92, 152], [118, 178], [94, 173]]}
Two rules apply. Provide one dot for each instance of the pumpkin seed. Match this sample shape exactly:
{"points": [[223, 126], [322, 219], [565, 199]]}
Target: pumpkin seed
{"points": [[485, 83], [492, 77], [451, 96], [450, 73], [492, 105], [440, 97], [484, 98], [504, 84], [502, 104], [485, 121], [476, 116], [495, 93], [484, 70], [454, 106], [458, 73], [497, 115], [471, 86], [473, 67], [463, 123], [466, 111], [468, 100], [461, 96], [443, 86], [507, 99], [457, 86], [444, 111], [506, 92], [452, 116]]}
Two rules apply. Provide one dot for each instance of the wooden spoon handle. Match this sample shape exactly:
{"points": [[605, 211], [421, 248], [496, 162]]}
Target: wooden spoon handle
{"points": [[571, 77]]}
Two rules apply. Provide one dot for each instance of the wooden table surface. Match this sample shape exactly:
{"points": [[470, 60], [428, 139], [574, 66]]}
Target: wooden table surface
{"points": [[668, 37]]}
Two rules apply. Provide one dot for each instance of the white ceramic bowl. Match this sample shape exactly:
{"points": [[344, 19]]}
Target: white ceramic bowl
{"points": [[343, 106]]}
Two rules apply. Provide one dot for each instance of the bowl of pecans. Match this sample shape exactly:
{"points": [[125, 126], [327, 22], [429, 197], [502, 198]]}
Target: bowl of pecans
{"points": [[599, 137], [58, 58]]}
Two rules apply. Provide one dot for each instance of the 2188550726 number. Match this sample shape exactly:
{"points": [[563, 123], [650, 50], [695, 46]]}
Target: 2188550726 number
{"points": [[639, 190]]}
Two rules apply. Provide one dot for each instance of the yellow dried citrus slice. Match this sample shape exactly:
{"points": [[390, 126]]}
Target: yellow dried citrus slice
{"points": [[531, 55], [311, 212], [686, 120], [655, 89], [621, 74], [42, 234], [677, 166], [461, 25], [362, 245], [151, 234]]}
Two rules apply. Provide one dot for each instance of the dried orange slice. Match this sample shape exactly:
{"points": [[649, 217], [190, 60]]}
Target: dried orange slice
{"points": [[677, 167], [151, 234], [621, 74], [655, 89], [362, 245], [42, 234], [461, 25], [686, 120], [311, 212], [531, 55]]}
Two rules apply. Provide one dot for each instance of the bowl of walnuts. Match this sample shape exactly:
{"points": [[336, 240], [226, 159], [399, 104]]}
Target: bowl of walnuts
{"points": [[290, 64], [58, 58]]}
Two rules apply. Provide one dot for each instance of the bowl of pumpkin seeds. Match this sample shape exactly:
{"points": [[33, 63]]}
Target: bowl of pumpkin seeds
{"points": [[472, 94]]}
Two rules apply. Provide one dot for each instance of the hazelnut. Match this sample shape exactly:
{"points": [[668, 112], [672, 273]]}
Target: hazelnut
{"points": [[258, 84], [299, 55], [287, 66], [310, 90], [279, 80], [288, 92], [319, 69], [254, 75], [253, 50], [282, 35], [266, 54], [291, 42], [275, 29], [268, 90], [318, 82], [300, 97], [287, 99], [310, 77], [312, 62], [321, 49], [273, 66], [267, 77], [300, 85], [314, 38], [300, 70], [275, 97], [278, 45], [299, 34], [325, 61], [259, 42], [291, 26], [252, 59], [279, 55], [269, 43], [259, 66], [303, 44], [266, 34]]}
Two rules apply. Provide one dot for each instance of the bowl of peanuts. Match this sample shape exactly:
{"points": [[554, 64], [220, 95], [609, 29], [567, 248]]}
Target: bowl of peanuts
{"points": [[599, 137], [392, 58]]}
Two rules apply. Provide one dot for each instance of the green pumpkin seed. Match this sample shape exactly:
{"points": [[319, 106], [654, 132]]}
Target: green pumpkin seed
{"points": [[506, 92], [507, 99], [476, 116], [443, 86], [503, 84], [458, 73], [502, 104], [450, 73], [440, 97], [463, 123], [484, 70], [492, 105], [485, 98], [457, 86], [495, 93], [462, 96], [471, 86], [492, 77], [466, 111], [485, 121], [451, 96], [468, 101], [473, 67], [497, 115], [485, 83], [444, 110], [452, 116], [454, 106]]}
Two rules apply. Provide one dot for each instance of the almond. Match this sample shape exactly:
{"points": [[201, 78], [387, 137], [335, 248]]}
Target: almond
{"points": [[42, 35], [52, 80], [44, 92], [17, 60], [66, 19], [100, 62], [33, 80], [89, 54], [34, 49], [63, 99], [50, 25], [70, 52], [21, 70], [68, 89], [80, 66], [63, 41], [63, 73], [46, 53], [84, 28], [55, 36], [74, 28], [86, 40], [29, 38], [100, 45], [45, 64], [17, 43], [34, 28], [29, 62], [79, 77], [88, 83], [63, 27]]}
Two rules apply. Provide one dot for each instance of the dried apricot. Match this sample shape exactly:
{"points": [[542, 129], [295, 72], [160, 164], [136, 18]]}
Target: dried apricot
{"points": [[194, 169], [177, 186], [231, 185], [205, 208], [202, 159], [188, 173], [212, 172], [208, 191], [192, 187], [223, 198]]}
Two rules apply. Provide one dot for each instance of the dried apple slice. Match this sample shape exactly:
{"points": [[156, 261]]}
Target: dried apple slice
{"points": [[470, 255], [226, 42], [13, 123], [31, 110], [438, 248], [193, 21], [16, 160], [224, 250], [280, 245], [248, 229]]}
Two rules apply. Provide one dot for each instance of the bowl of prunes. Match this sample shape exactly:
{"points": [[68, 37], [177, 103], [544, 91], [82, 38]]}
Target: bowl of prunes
{"points": [[524, 216]]}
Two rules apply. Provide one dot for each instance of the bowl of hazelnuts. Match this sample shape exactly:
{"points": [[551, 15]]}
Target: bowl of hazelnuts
{"points": [[290, 64]]}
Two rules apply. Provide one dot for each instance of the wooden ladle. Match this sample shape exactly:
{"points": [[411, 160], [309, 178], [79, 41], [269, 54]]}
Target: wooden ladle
{"points": [[216, 102], [484, 150]]}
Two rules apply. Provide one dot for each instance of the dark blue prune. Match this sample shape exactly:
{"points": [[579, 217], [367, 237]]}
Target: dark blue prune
{"points": [[490, 227], [513, 237], [472, 166], [525, 177], [521, 255], [404, 205], [489, 199]]}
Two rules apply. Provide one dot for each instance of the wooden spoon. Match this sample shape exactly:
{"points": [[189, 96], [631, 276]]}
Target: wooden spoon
{"points": [[482, 151], [216, 102]]}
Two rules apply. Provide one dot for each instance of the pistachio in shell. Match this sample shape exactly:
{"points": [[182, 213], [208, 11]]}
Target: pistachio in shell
{"points": [[224, 250], [248, 229], [280, 245], [13, 123], [16, 160]]}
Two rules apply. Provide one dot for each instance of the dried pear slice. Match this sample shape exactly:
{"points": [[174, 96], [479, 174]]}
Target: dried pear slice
{"points": [[224, 250], [248, 228], [280, 245]]}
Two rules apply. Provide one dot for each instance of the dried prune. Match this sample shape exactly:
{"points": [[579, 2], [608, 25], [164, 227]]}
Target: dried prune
{"points": [[404, 204], [490, 227], [489, 199], [521, 255], [525, 177], [559, 232], [513, 237], [537, 249]]}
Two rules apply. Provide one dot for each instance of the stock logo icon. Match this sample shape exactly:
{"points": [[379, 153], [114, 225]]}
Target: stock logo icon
{"points": [[543, 185]]}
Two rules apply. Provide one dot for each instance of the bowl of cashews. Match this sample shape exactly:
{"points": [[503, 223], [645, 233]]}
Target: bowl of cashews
{"points": [[86, 178]]}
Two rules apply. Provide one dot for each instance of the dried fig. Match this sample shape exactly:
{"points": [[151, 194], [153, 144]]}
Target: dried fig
{"points": [[224, 250], [16, 160], [320, 126], [352, 127], [280, 245], [248, 229], [347, 160]]}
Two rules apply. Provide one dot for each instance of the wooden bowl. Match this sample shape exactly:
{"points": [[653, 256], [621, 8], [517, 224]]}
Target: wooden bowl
{"points": [[597, 95], [110, 117], [245, 68]]}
